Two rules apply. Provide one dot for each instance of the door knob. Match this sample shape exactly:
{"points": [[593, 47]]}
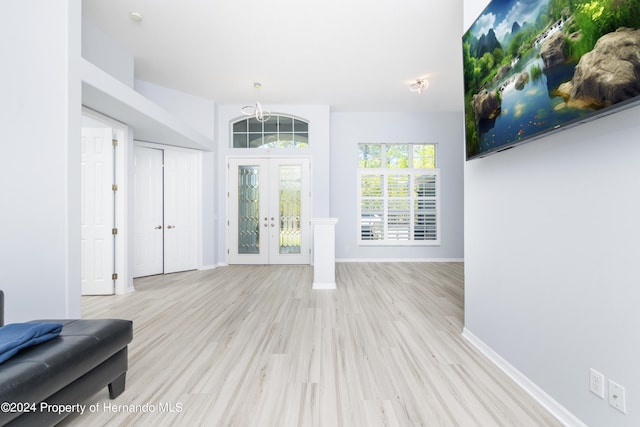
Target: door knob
{"points": [[171, 226], [158, 227]]}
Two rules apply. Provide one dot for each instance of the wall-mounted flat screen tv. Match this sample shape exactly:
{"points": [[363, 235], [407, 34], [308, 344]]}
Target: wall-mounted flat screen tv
{"points": [[532, 67]]}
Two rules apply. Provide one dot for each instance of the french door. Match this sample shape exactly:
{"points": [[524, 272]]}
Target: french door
{"points": [[268, 211]]}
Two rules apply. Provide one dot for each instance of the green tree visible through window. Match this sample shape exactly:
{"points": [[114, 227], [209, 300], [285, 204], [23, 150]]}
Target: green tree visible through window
{"points": [[370, 156], [424, 156]]}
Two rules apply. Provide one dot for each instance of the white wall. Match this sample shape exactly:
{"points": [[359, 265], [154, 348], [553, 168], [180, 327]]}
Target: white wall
{"points": [[99, 49], [40, 215], [551, 282], [350, 129], [195, 111]]}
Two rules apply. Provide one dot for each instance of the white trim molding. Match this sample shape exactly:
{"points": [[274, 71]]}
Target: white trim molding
{"points": [[400, 260], [556, 409], [316, 286]]}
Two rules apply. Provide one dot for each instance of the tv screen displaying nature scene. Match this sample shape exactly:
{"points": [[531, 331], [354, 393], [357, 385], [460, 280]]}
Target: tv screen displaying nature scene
{"points": [[533, 66]]}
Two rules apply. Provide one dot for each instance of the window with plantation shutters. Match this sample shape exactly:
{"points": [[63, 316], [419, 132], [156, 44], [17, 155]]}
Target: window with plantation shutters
{"points": [[399, 188]]}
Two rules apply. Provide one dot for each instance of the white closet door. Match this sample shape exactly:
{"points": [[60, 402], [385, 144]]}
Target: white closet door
{"points": [[97, 212], [180, 210], [148, 205]]}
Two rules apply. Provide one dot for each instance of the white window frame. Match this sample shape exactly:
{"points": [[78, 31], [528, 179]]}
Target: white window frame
{"points": [[271, 136], [387, 233]]}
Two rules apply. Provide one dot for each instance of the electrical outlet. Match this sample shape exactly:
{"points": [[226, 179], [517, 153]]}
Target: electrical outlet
{"points": [[617, 397], [596, 383]]}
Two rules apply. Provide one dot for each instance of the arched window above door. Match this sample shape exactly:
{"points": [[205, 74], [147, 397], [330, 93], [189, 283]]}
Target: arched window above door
{"points": [[280, 131]]}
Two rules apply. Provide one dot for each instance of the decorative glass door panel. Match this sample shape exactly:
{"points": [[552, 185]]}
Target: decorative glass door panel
{"points": [[290, 181], [248, 209], [268, 211]]}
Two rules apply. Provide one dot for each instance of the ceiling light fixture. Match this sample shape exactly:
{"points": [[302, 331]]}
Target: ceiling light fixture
{"points": [[135, 16], [420, 85], [256, 110]]}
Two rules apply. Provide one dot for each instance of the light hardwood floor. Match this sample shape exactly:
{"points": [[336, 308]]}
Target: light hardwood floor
{"points": [[256, 346]]}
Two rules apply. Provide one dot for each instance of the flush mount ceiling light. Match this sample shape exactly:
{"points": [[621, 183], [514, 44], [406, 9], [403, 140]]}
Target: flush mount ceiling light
{"points": [[256, 110], [420, 85], [135, 16]]}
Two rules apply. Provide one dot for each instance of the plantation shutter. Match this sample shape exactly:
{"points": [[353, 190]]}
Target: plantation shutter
{"points": [[399, 206]]}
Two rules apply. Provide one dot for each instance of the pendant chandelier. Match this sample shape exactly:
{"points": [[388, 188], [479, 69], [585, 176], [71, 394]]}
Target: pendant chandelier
{"points": [[256, 110]]}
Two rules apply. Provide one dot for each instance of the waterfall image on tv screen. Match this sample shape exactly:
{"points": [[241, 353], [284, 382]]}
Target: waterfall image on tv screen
{"points": [[531, 67]]}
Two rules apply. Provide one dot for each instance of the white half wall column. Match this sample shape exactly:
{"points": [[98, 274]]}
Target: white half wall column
{"points": [[324, 253]]}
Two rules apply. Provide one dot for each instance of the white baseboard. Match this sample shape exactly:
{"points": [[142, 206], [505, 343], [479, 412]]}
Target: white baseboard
{"points": [[329, 286], [224, 264], [555, 408], [127, 290], [399, 259], [212, 267]]}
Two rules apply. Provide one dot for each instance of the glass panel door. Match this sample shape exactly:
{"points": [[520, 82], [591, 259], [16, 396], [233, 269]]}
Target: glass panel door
{"points": [[247, 206], [268, 221]]}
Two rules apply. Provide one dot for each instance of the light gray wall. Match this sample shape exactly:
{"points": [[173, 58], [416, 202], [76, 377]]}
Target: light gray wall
{"points": [[551, 281], [350, 129], [209, 215], [40, 215], [99, 49], [195, 111]]}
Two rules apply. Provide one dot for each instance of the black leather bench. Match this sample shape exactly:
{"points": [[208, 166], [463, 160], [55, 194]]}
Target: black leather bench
{"points": [[87, 356]]}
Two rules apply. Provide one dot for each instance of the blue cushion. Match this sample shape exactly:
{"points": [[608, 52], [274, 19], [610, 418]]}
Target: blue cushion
{"points": [[16, 336]]}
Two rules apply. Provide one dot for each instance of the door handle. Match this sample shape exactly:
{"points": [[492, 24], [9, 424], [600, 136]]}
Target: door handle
{"points": [[158, 227], [171, 226]]}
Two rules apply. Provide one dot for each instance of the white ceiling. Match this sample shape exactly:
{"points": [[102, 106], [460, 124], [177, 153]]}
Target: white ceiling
{"points": [[354, 55]]}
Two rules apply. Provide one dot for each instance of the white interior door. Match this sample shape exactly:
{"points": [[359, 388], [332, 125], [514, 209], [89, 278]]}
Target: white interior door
{"points": [[148, 212], [166, 211], [180, 210], [268, 208], [97, 212]]}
